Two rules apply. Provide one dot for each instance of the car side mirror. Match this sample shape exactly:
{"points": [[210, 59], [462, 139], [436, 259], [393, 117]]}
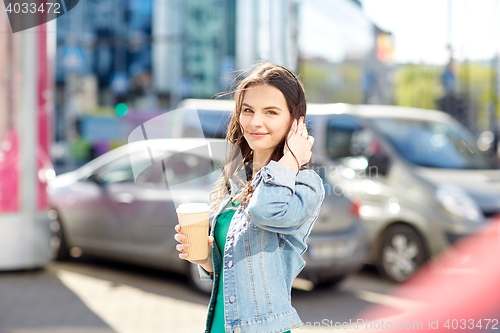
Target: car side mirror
{"points": [[378, 164]]}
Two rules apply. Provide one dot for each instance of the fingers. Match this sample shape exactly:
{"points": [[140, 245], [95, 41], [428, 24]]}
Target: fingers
{"points": [[305, 133], [302, 127], [293, 129], [180, 237], [311, 140], [182, 247]]}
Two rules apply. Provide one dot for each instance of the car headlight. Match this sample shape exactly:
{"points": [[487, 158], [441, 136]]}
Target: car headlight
{"points": [[455, 200]]}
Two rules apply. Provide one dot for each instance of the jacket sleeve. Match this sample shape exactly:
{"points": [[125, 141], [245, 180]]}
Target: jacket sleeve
{"points": [[282, 201], [204, 275]]}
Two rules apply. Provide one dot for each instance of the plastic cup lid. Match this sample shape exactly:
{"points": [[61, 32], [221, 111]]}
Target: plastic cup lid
{"points": [[193, 208]]}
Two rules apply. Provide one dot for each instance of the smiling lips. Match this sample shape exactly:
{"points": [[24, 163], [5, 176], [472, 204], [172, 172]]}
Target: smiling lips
{"points": [[257, 135]]}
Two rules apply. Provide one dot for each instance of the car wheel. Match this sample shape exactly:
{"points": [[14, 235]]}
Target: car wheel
{"points": [[58, 246], [402, 252], [194, 280], [330, 282]]}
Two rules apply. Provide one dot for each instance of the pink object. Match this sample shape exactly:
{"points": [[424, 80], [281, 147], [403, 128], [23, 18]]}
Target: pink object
{"points": [[459, 288], [9, 173]]}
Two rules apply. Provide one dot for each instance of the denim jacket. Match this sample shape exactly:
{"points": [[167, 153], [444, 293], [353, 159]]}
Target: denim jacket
{"points": [[264, 247]]}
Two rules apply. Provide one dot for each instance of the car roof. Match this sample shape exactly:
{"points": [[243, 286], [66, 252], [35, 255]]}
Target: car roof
{"points": [[209, 104], [377, 111], [365, 111], [175, 145]]}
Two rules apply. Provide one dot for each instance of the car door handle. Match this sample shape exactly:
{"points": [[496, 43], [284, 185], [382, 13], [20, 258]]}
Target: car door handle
{"points": [[124, 197]]}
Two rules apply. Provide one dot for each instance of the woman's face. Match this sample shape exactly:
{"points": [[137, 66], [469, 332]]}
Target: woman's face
{"points": [[264, 117]]}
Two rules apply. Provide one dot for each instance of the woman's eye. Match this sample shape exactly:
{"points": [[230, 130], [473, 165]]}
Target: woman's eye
{"points": [[247, 110], [272, 112]]}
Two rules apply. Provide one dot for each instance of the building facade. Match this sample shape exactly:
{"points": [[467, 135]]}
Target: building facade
{"points": [[201, 45]]}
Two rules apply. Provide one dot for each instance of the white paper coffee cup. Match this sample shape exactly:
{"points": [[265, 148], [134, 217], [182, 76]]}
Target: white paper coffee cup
{"points": [[194, 222]]}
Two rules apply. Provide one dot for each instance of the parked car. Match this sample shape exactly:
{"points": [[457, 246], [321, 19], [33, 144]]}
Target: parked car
{"points": [[105, 210], [213, 116], [418, 175]]}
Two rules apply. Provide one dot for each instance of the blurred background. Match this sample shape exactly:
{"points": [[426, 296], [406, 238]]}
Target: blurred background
{"points": [[74, 89], [121, 63]]}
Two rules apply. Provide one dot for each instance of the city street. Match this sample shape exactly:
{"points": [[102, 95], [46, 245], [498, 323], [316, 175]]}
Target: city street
{"points": [[90, 295], [361, 130]]}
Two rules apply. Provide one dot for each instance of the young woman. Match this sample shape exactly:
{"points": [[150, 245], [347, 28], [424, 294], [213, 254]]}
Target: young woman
{"points": [[265, 205]]}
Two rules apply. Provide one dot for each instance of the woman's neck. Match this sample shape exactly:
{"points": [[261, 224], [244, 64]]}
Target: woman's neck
{"points": [[260, 159]]}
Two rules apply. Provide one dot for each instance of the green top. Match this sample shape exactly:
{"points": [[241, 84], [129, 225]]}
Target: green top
{"points": [[220, 233]]}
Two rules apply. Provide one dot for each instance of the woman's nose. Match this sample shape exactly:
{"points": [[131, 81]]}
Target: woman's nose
{"points": [[256, 120]]}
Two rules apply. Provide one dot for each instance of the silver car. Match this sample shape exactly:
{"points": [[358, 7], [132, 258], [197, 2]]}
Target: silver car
{"points": [[105, 209], [421, 181]]}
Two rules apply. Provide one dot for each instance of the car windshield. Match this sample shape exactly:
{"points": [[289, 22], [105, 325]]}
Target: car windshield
{"points": [[214, 123], [433, 144]]}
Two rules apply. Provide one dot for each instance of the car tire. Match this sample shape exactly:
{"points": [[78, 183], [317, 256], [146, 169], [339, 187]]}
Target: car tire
{"points": [[401, 253], [331, 282], [204, 287], [59, 246]]}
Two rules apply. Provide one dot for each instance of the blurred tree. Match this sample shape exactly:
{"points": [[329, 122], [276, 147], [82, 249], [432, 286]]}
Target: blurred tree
{"points": [[352, 89], [420, 86], [476, 78], [327, 82], [314, 75]]}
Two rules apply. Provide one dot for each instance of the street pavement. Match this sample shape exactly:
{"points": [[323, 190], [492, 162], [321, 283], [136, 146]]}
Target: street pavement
{"points": [[91, 295]]}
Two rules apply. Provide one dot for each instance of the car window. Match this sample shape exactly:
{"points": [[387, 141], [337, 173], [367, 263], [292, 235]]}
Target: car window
{"points": [[120, 170], [353, 145], [347, 138], [433, 144], [175, 168], [189, 169], [213, 123], [116, 171]]}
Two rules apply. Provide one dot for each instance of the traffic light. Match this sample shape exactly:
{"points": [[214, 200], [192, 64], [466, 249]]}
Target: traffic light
{"points": [[384, 46], [121, 107], [454, 106]]}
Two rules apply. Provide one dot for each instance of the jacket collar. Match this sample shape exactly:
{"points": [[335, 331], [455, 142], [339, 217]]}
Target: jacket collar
{"points": [[239, 181]]}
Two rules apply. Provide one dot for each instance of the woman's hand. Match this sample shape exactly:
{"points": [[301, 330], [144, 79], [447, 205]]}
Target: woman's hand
{"points": [[205, 263], [299, 142]]}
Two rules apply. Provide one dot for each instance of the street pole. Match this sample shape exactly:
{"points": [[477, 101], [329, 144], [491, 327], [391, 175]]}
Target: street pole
{"points": [[493, 126], [470, 109], [450, 28], [28, 117], [71, 88], [494, 83]]}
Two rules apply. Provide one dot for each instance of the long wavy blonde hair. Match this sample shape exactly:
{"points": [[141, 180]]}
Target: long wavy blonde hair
{"points": [[293, 91]]}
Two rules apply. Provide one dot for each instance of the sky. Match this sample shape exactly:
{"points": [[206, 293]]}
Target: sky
{"points": [[420, 28], [333, 29]]}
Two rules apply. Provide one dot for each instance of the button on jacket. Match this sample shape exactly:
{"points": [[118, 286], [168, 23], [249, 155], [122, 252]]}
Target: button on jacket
{"points": [[264, 247]]}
